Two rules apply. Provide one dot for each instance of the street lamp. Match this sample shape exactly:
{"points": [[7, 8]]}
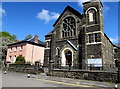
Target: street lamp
{"points": [[117, 63], [91, 65]]}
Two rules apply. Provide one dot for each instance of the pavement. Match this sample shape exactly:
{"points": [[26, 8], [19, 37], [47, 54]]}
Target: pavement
{"points": [[76, 81], [50, 81]]}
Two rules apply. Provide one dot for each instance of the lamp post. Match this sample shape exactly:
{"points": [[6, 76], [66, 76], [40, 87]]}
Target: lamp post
{"points": [[117, 63], [91, 65], [50, 67]]}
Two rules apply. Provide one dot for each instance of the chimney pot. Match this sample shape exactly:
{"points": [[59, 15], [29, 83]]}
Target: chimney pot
{"points": [[17, 40], [36, 38]]}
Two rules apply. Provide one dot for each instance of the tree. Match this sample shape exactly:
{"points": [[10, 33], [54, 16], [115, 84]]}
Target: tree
{"points": [[29, 36], [14, 37], [5, 39], [20, 60]]}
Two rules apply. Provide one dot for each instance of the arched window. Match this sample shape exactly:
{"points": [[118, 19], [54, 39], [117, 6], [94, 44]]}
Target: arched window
{"points": [[57, 51], [69, 27], [91, 15]]}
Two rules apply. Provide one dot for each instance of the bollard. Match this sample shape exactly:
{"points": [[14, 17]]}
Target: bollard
{"points": [[5, 72], [28, 76], [116, 86]]}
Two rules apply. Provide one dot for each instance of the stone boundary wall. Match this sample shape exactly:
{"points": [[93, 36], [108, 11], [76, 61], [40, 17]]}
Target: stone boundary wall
{"points": [[26, 70], [103, 76]]}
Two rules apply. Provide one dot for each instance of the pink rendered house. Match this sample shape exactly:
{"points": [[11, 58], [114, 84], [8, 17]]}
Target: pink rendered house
{"points": [[32, 49]]}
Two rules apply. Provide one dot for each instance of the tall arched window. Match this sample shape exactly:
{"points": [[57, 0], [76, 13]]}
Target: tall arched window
{"points": [[69, 27], [57, 51], [91, 15]]}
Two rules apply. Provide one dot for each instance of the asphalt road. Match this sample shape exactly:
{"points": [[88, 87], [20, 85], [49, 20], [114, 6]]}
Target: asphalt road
{"points": [[20, 80]]}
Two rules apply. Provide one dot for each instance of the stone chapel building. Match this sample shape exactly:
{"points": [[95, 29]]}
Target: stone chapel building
{"points": [[79, 39]]}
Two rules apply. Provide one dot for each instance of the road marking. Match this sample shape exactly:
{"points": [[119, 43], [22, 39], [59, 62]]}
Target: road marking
{"points": [[67, 83]]}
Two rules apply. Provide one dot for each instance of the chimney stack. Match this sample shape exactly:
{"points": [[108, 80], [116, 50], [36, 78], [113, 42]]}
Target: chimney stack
{"points": [[16, 40], [36, 38]]}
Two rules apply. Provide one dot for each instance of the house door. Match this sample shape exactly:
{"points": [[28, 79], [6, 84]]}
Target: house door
{"points": [[68, 55]]}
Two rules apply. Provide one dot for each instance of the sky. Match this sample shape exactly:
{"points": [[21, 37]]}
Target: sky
{"points": [[37, 18]]}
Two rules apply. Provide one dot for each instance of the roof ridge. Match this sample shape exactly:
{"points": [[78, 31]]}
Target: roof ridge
{"points": [[30, 38]]}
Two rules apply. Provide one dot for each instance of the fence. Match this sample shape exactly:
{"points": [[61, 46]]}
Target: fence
{"points": [[95, 72], [104, 67]]}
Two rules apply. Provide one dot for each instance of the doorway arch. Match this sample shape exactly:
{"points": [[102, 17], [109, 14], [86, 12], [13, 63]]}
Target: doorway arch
{"points": [[67, 56]]}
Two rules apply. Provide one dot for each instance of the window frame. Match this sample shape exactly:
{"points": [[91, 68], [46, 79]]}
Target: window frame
{"points": [[15, 49], [67, 33], [10, 50], [91, 16], [93, 38], [21, 48]]}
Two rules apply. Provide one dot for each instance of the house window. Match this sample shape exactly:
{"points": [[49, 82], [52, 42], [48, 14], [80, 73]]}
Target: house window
{"points": [[21, 48], [10, 50], [10, 58], [14, 58], [90, 16], [15, 49]]}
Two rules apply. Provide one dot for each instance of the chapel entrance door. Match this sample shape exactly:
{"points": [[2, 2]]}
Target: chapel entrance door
{"points": [[68, 55]]}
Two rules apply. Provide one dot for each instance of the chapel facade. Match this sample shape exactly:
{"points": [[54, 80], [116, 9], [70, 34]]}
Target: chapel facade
{"points": [[79, 39]]}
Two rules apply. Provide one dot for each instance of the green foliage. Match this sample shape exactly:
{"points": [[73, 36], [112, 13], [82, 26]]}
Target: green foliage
{"points": [[5, 39], [28, 62], [7, 35], [20, 60], [14, 37], [29, 36]]}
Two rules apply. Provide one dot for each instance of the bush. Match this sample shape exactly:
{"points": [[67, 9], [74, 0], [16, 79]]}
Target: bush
{"points": [[20, 60]]}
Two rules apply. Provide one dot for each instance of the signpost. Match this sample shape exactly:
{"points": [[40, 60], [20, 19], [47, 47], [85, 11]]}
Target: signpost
{"points": [[117, 63]]}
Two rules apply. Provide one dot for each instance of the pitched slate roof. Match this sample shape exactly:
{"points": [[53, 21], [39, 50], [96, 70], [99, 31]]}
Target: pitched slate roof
{"points": [[50, 33], [29, 40], [72, 11], [111, 42], [69, 9], [117, 44]]}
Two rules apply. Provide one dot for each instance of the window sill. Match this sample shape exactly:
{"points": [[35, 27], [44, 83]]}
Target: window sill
{"points": [[47, 48], [94, 43], [20, 50]]}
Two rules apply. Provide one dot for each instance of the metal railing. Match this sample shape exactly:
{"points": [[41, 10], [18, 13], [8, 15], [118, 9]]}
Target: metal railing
{"points": [[104, 67]]}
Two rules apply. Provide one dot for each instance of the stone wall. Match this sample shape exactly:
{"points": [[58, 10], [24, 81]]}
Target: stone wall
{"points": [[25, 68], [87, 75]]}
